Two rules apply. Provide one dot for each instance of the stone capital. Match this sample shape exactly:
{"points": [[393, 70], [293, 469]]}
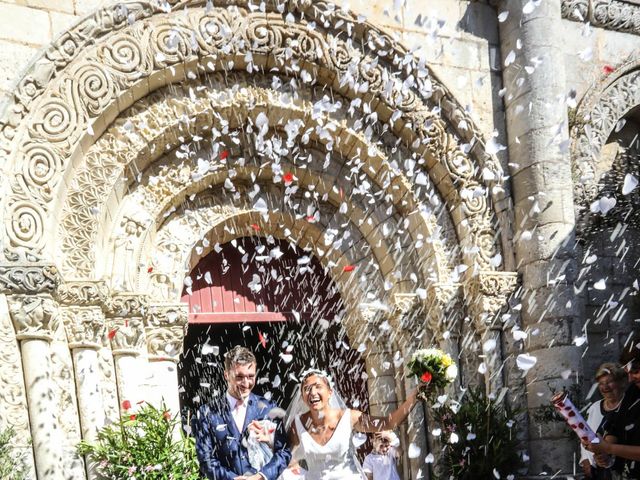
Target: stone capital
{"points": [[34, 317], [28, 278], [165, 343], [487, 293], [404, 304], [166, 325], [85, 326], [438, 302], [126, 305], [83, 293], [126, 335], [167, 314]]}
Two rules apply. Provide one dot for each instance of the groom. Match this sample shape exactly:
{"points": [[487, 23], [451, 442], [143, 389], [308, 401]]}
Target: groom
{"points": [[218, 426]]}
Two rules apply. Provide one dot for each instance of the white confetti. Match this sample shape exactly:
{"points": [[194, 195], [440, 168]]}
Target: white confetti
{"points": [[603, 205], [600, 284], [414, 450], [502, 17], [630, 184], [489, 345], [525, 361]]}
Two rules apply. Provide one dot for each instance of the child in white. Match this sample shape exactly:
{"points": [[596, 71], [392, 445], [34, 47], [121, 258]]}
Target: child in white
{"points": [[380, 464]]}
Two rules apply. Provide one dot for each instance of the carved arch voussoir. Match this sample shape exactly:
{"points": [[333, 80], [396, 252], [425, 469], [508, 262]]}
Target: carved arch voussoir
{"points": [[78, 91]]}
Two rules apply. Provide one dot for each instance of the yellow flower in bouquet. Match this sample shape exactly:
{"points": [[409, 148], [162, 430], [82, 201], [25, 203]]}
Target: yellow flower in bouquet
{"points": [[432, 367]]}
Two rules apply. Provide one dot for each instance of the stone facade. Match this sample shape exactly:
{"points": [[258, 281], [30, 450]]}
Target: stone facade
{"points": [[458, 150]]}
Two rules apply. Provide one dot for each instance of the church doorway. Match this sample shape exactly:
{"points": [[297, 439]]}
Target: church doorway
{"points": [[277, 300]]}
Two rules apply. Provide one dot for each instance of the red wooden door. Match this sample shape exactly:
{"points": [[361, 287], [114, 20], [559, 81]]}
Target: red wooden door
{"points": [[252, 279]]}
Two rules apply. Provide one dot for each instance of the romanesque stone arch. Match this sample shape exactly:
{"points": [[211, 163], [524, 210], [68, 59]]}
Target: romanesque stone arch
{"points": [[598, 113]]}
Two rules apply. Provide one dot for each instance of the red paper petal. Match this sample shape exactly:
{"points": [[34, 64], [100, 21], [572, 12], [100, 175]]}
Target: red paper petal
{"points": [[288, 177], [112, 333], [348, 268], [150, 269], [263, 340], [255, 226], [224, 154], [607, 69]]}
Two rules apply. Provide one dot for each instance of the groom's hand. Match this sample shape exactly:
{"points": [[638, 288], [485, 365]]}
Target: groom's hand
{"points": [[260, 432]]}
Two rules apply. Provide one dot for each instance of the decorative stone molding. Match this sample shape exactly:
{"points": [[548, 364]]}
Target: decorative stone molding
{"points": [[83, 293], [172, 177], [33, 316], [604, 105], [28, 279], [126, 336], [126, 305], [85, 326], [166, 326], [165, 343], [610, 14], [12, 393], [76, 90], [170, 314], [486, 294], [438, 304]]}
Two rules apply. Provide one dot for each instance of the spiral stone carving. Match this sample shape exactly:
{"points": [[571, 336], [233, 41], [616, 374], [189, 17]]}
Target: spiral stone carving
{"points": [[473, 204], [458, 164], [26, 222], [122, 53], [341, 57], [215, 31], [41, 169], [55, 122], [263, 36], [172, 44], [94, 86], [485, 239]]}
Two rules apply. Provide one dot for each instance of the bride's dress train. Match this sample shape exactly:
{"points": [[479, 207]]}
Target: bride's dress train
{"points": [[335, 460]]}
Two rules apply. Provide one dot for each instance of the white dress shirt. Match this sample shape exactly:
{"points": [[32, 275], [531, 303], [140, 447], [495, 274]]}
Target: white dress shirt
{"points": [[239, 414], [238, 410]]}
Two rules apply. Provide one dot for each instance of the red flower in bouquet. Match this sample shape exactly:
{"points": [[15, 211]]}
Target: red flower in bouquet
{"points": [[288, 177], [426, 377], [126, 405]]}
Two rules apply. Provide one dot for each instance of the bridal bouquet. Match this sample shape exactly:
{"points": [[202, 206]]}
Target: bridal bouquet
{"points": [[433, 368]]}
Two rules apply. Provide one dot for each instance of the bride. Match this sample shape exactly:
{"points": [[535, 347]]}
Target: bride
{"points": [[320, 428]]}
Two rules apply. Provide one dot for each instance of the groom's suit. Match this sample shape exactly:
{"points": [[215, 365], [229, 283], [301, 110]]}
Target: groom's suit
{"points": [[219, 443]]}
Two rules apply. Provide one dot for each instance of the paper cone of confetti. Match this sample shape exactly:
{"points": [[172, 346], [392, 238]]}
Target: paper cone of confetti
{"points": [[568, 410]]}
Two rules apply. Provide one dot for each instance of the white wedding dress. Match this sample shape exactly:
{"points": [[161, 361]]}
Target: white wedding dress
{"points": [[336, 460]]}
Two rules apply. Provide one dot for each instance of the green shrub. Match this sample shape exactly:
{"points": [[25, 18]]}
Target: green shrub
{"points": [[142, 446], [486, 439], [12, 464]]}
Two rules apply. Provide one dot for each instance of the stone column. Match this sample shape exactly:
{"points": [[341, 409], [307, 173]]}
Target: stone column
{"points": [[125, 330], [166, 326], [487, 294], [536, 114], [85, 328], [86, 334], [407, 318], [35, 319]]}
